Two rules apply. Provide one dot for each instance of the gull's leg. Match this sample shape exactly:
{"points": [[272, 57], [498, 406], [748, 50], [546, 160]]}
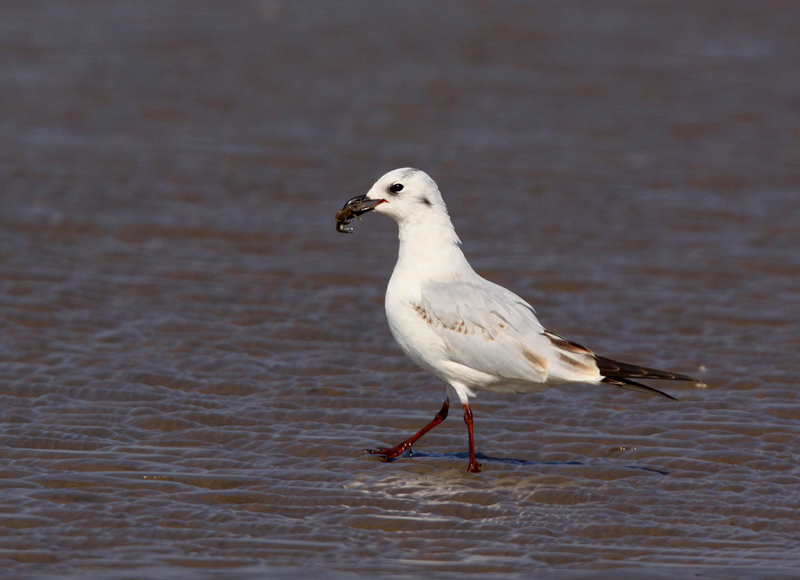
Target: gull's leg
{"points": [[396, 451], [474, 466]]}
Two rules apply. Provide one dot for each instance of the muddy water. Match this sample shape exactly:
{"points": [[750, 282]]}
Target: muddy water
{"points": [[191, 358]]}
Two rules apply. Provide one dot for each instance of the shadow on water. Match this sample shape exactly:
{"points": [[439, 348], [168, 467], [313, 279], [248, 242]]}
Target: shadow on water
{"points": [[513, 461]]}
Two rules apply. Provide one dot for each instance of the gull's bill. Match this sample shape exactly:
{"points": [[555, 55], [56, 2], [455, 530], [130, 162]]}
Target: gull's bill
{"points": [[354, 208]]}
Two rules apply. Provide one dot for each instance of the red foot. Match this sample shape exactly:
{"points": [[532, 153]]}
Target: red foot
{"points": [[474, 467], [389, 453]]}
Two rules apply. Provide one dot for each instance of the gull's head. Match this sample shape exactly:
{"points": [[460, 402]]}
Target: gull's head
{"points": [[407, 195]]}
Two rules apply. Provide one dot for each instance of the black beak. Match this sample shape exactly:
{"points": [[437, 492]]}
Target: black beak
{"points": [[354, 208]]}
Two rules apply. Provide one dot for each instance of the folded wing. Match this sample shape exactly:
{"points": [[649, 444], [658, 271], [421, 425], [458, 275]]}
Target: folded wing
{"points": [[492, 330]]}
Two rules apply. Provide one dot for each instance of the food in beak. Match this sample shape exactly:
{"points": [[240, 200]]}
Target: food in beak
{"points": [[354, 208]]}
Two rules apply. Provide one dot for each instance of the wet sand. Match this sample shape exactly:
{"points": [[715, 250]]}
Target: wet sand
{"points": [[192, 359]]}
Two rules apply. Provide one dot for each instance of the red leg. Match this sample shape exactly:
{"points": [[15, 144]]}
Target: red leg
{"points": [[474, 466], [396, 451]]}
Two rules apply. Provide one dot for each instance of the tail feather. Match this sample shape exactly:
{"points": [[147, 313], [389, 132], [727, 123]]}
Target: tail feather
{"points": [[620, 374]]}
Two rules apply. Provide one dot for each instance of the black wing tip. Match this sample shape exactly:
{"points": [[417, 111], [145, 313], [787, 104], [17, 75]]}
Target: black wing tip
{"points": [[619, 370], [634, 386]]}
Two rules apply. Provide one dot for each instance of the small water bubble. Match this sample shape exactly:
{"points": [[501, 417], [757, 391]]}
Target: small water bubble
{"points": [[619, 448]]}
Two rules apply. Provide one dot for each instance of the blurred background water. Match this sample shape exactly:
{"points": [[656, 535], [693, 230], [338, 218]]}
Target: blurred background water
{"points": [[192, 360]]}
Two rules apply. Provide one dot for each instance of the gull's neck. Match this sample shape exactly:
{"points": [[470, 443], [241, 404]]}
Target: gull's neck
{"points": [[430, 249]]}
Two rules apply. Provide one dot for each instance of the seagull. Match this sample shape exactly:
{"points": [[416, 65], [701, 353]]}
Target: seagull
{"points": [[469, 332]]}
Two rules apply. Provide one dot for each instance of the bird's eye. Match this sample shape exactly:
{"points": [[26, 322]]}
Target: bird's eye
{"points": [[396, 187]]}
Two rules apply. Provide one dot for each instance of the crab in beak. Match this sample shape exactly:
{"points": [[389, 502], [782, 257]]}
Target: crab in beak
{"points": [[354, 208]]}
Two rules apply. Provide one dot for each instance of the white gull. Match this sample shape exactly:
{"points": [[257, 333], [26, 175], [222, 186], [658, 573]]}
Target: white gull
{"points": [[469, 332]]}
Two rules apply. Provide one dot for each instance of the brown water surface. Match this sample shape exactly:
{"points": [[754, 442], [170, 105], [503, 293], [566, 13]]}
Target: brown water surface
{"points": [[192, 359]]}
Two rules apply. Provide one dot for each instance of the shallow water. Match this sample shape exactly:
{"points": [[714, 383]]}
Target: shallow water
{"points": [[192, 359]]}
